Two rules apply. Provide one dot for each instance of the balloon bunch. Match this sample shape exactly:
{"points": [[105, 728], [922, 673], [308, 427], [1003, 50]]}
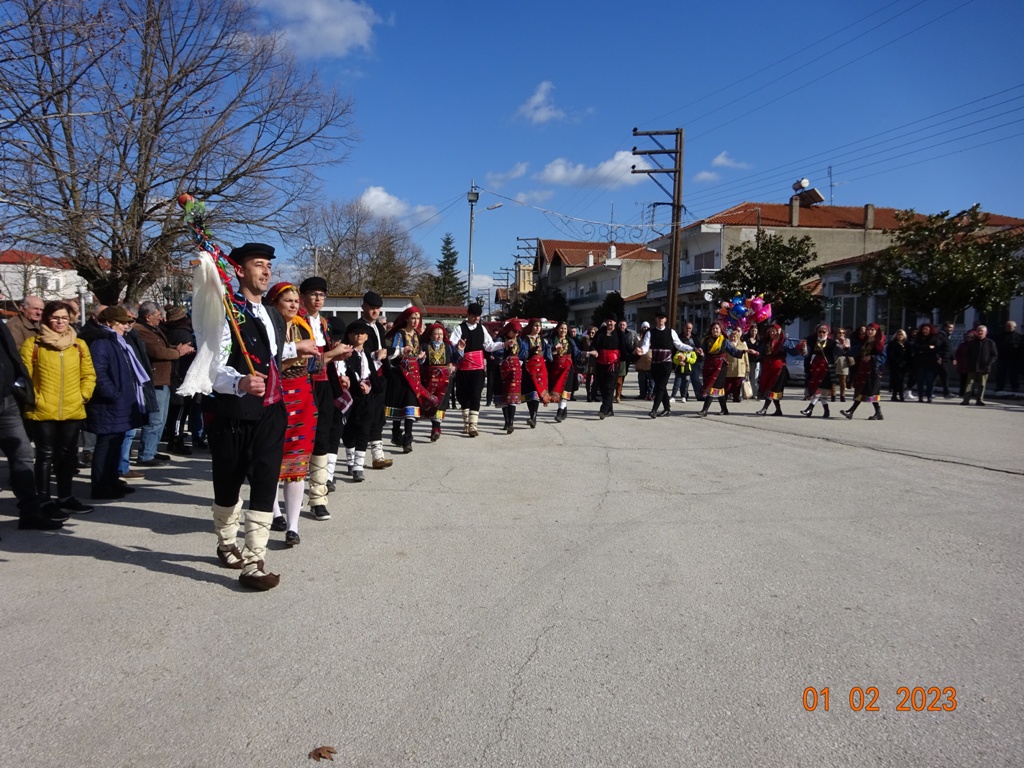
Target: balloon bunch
{"points": [[744, 311]]}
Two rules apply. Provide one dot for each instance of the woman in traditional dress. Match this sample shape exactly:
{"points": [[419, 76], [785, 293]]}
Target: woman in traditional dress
{"points": [[562, 368], [867, 381], [772, 354], [512, 358], [406, 394], [609, 347], [438, 374], [842, 370], [297, 389], [823, 352], [535, 371], [716, 348]]}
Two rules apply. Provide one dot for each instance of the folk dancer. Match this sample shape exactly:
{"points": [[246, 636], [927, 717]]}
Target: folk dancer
{"points": [[867, 378], [772, 354], [535, 379], [513, 356], [660, 341], [374, 346], [366, 387], [562, 376], [471, 339], [824, 352], [438, 378], [609, 348], [716, 347], [407, 395]]}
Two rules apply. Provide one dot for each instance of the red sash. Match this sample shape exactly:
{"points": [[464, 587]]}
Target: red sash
{"points": [[559, 373], [607, 357], [410, 369], [472, 361], [538, 371], [272, 394]]}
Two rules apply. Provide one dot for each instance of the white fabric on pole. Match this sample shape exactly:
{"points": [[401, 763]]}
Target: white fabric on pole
{"points": [[208, 322]]}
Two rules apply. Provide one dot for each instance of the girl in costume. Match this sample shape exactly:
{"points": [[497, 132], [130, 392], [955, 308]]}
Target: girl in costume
{"points": [[716, 348], [297, 389], [562, 369], [823, 352], [513, 357], [772, 354], [406, 393], [438, 374], [535, 371], [842, 370], [867, 381]]}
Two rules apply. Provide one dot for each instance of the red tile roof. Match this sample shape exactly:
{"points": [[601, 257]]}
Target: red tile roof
{"points": [[575, 253], [820, 216], [33, 259], [636, 296], [439, 310]]}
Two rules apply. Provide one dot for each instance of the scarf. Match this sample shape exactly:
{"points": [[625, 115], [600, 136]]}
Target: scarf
{"points": [[138, 372], [59, 341], [714, 347]]}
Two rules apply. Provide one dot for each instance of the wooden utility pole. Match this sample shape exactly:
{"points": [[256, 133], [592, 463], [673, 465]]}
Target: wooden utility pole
{"points": [[675, 171]]}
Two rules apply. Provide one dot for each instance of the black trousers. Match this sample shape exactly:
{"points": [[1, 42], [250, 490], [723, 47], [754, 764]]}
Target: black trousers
{"points": [[323, 397], [106, 458], [56, 454], [248, 450], [356, 434], [607, 377], [660, 373], [15, 445], [468, 387]]}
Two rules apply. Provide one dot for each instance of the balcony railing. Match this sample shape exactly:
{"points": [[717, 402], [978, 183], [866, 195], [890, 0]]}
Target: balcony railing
{"points": [[691, 282]]}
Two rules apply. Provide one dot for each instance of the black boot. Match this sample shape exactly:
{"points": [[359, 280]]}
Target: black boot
{"points": [[396, 433], [764, 408], [810, 409], [407, 437], [722, 404], [532, 406], [877, 416], [826, 414], [707, 404], [849, 414], [778, 408]]}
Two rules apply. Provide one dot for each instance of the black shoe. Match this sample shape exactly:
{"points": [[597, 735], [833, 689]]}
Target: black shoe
{"points": [[162, 456], [847, 414], [178, 447], [71, 504], [279, 524], [107, 494], [601, 414], [762, 411], [666, 412], [51, 510], [532, 421], [702, 413], [876, 417], [981, 402], [200, 443], [407, 448], [331, 487], [653, 414], [357, 476], [724, 411], [154, 462], [826, 414], [966, 402], [320, 512], [808, 410], [291, 539], [39, 522]]}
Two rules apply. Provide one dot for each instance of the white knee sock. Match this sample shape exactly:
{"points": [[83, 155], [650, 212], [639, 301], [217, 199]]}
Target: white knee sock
{"points": [[293, 502]]}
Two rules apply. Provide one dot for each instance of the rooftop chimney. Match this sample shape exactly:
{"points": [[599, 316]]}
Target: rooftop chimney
{"points": [[590, 259], [794, 211], [869, 216]]}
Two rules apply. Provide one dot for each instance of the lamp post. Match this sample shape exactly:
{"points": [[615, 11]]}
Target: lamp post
{"points": [[472, 196]]}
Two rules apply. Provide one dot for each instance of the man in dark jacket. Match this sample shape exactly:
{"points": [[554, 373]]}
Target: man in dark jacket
{"points": [[1010, 347], [982, 355], [15, 444]]}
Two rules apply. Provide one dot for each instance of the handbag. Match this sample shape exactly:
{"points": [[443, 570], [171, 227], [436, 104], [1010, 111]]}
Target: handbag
{"points": [[748, 390], [24, 394]]}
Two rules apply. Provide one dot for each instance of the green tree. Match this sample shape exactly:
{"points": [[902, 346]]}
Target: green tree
{"points": [[774, 269], [448, 288], [613, 304], [948, 262]]}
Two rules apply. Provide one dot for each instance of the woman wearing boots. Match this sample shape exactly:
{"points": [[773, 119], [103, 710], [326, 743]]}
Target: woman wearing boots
{"points": [[512, 358], [406, 392], [772, 355], [897, 355], [562, 368], [609, 348], [297, 392], [438, 370], [823, 352], [535, 371], [63, 378], [716, 348], [867, 381]]}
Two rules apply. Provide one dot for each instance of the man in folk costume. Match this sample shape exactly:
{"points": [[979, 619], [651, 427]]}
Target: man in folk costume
{"points": [[471, 339], [823, 351], [660, 342], [313, 291], [375, 348], [610, 347], [247, 420]]}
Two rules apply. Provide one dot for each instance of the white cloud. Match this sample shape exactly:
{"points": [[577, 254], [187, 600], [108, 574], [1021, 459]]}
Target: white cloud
{"points": [[722, 160], [382, 203], [497, 179], [706, 176], [534, 197], [323, 28], [482, 283], [540, 108], [611, 174]]}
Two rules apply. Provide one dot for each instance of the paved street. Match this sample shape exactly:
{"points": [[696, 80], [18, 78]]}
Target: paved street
{"points": [[624, 592]]}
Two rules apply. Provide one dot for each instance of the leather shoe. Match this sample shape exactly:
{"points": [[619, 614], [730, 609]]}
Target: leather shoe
{"points": [[291, 539], [133, 474], [279, 524], [258, 579], [382, 463], [236, 564], [154, 462]]}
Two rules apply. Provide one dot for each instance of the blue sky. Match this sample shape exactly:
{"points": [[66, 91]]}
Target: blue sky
{"points": [[914, 104]]}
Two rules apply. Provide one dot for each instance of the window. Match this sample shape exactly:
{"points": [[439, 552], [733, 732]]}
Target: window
{"points": [[42, 284], [705, 260]]}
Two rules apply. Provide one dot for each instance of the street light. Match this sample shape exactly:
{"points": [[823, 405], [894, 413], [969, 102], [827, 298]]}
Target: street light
{"points": [[316, 257], [472, 197]]}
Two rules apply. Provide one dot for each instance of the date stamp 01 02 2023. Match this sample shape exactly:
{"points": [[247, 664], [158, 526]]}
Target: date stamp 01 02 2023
{"points": [[918, 699]]}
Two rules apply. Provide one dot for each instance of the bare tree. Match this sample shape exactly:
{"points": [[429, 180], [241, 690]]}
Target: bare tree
{"points": [[192, 98], [355, 250]]}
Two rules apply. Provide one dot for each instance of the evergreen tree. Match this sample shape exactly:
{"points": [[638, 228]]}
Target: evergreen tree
{"points": [[449, 290], [613, 304]]}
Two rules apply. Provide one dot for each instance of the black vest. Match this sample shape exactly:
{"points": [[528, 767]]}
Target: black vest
{"points": [[250, 407], [474, 338], [661, 345]]}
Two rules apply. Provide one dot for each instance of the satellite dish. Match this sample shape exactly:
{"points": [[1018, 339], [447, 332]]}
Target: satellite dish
{"points": [[801, 184], [708, 295]]}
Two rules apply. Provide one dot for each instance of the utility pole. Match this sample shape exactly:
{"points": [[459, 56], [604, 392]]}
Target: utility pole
{"points": [[675, 171]]}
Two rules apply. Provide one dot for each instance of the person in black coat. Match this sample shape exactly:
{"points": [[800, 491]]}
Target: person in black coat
{"points": [[609, 348], [897, 356], [981, 355], [15, 444]]}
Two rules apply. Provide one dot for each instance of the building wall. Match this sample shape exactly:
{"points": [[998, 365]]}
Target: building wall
{"points": [[48, 283]]}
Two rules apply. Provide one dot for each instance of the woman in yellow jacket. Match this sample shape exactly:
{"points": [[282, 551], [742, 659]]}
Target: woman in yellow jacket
{"points": [[63, 378]]}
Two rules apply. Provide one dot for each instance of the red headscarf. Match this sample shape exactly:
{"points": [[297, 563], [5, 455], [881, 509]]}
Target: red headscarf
{"points": [[510, 326], [277, 289], [401, 322], [879, 337]]}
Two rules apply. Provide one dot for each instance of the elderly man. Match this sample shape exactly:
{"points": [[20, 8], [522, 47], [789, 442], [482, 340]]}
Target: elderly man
{"points": [[981, 357], [161, 355], [25, 325]]}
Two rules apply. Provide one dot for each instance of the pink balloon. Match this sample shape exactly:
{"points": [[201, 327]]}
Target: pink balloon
{"points": [[756, 303]]}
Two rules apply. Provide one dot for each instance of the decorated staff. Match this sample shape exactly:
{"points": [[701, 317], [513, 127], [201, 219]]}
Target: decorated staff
{"points": [[247, 419]]}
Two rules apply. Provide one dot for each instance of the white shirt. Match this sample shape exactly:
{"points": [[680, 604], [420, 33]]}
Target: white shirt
{"points": [[645, 345], [227, 378], [490, 345]]}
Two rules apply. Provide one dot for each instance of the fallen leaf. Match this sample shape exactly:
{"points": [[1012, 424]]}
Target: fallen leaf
{"points": [[323, 753]]}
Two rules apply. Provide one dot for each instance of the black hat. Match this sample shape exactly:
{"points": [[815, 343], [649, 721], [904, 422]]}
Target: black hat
{"points": [[475, 309], [311, 284], [337, 326], [372, 299], [610, 316], [251, 250], [360, 326]]}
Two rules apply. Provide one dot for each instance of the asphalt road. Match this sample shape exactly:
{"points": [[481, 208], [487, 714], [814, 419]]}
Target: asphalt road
{"points": [[624, 592]]}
